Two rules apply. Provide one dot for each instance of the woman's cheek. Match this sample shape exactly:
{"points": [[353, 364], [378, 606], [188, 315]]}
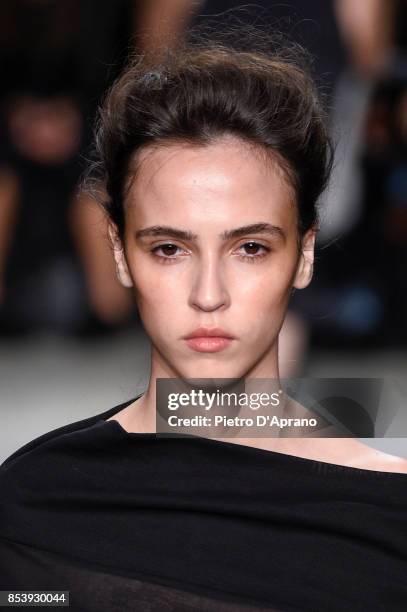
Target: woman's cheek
{"points": [[262, 310], [262, 292], [150, 286], [159, 304]]}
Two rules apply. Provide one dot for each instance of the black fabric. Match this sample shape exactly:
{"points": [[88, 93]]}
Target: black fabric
{"points": [[130, 521]]}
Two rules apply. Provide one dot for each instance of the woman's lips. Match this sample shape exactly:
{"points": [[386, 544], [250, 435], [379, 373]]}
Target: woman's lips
{"points": [[208, 339], [208, 344]]}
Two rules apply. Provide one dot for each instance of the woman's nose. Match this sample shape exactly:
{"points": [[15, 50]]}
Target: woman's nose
{"points": [[208, 289]]}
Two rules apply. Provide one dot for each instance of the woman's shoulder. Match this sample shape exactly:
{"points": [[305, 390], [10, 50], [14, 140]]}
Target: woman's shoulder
{"points": [[374, 459], [62, 433]]}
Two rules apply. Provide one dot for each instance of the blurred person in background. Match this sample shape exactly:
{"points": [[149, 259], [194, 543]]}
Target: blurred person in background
{"points": [[367, 204], [56, 59]]}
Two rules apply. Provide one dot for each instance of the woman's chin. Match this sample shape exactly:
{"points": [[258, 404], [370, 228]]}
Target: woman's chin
{"points": [[216, 371]]}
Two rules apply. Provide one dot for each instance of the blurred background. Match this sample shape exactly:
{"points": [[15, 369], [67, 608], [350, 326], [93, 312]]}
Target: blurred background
{"points": [[71, 343]]}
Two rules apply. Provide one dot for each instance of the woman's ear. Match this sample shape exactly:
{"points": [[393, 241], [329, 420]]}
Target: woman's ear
{"points": [[305, 266], [122, 269]]}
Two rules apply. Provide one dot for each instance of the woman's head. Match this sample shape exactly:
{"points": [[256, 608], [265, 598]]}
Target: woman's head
{"points": [[213, 162]]}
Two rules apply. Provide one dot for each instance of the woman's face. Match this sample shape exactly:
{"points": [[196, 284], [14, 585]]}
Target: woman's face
{"points": [[211, 242]]}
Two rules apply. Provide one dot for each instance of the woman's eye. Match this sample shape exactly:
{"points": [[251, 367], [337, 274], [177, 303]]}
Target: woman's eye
{"points": [[253, 250], [166, 251]]}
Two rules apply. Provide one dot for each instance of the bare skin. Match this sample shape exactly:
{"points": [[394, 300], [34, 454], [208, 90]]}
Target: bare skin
{"points": [[207, 279]]}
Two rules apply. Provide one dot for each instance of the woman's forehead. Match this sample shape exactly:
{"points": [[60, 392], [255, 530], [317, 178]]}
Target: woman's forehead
{"points": [[226, 177]]}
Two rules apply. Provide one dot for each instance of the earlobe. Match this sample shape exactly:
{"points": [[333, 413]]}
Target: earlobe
{"points": [[305, 266], [122, 269]]}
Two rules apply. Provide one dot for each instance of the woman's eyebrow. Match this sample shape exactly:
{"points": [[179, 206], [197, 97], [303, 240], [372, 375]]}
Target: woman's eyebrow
{"points": [[254, 228], [166, 230]]}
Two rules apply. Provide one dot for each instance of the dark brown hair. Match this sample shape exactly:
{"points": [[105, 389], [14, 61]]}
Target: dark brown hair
{"points": [[199, 92]]}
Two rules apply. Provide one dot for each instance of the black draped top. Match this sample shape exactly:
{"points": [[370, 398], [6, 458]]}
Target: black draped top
{"points": [[140, 522]]}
